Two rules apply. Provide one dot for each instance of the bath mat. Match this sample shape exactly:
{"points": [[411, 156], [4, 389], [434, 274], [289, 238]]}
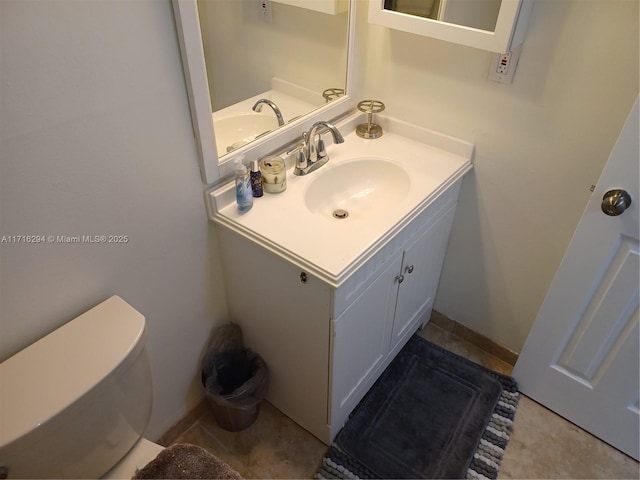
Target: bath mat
{"points": [[431, 414], [184, 460]]}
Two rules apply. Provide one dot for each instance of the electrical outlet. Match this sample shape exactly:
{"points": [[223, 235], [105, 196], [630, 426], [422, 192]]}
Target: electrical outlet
{"points": [[265, 10], [503, 65]]}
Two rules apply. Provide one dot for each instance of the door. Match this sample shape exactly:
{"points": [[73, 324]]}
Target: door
{"points": [[421, 266], [361, 344], [581, 357]]}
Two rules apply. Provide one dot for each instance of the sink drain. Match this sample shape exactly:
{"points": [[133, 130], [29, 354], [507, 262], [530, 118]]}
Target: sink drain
{"points": [[340, 213]]}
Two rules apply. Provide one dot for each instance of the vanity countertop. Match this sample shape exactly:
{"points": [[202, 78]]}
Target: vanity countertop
{"points": [[331, 248]]}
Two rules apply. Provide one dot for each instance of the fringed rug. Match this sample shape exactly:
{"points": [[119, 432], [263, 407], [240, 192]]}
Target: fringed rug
{"points": [[431, 414]]}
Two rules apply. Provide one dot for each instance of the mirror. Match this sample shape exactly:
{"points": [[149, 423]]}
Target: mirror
{"points": [[494, 25], [257, 78], [480, 14]]}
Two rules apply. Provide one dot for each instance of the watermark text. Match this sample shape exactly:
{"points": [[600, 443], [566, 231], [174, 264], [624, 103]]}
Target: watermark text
{"points": [[60, 239]]}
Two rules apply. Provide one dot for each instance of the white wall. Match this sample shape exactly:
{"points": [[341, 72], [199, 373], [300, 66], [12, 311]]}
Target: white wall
{"points": [[243, 52], [96, 139], [540, 144]]}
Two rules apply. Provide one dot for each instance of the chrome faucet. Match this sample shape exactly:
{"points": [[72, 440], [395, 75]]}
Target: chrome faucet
{"points": [[258, 108], [312, 153]]}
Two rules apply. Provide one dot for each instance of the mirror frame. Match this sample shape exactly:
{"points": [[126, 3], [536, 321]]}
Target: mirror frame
{"points": [[510, 26], [195, 72]]}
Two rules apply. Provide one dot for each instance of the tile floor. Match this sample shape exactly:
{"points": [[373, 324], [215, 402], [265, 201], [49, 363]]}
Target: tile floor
{"points": [[543, 445]]}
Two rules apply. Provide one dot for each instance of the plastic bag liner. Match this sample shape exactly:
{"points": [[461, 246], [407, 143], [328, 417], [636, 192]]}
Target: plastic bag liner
{"points": [[235, 379]]}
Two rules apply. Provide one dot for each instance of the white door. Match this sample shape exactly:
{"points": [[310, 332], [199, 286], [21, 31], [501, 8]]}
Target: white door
{"points": [[581, 357]]}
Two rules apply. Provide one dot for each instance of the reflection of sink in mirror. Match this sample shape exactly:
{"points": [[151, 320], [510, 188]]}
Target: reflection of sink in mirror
{"points": [[267, 61], [361, 187], [237, 130], [291, 100]]}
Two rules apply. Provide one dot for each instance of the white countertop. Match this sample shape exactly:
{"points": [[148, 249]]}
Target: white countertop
{"points": [[333, 248]]}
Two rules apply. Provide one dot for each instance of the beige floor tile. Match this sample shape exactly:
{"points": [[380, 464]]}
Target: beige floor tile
{"points": [[273, 447], [543, 445], [463, 348], [198, 435]]}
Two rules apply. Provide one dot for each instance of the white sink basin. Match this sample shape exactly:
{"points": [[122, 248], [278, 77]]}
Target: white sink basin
{"points": [[237, 130], [357, 188], [383, 185]]}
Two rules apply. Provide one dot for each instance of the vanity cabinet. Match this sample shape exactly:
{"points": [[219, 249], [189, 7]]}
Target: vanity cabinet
{"points": [[373, 329], [326, 345]]}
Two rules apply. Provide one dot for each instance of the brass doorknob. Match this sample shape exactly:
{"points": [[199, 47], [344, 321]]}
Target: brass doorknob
{"points": [[615, 202]]}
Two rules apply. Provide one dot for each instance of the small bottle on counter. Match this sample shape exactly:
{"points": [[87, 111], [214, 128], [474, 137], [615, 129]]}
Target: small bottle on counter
{"points": [[256, 179], [244, 196]]}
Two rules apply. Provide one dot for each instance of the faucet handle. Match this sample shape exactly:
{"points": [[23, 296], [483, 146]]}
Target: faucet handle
{"points": [[301, 159]]}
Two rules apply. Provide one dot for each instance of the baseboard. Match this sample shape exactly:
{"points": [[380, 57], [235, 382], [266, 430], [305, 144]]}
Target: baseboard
{"points": [[183, 424], [503, 353]]}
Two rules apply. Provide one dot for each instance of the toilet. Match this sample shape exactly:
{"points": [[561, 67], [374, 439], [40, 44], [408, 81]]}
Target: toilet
{"points": [[75, 403]]}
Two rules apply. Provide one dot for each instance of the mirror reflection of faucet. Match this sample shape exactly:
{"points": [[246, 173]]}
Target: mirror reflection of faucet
{"points": [[258, 108], [312, 153]]}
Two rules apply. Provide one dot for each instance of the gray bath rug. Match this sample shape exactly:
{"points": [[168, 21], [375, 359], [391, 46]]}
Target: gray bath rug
{"points": [[431, 414]]}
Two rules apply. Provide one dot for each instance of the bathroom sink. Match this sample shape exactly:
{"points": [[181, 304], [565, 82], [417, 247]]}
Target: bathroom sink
{"points": [[357, 188], [236, 130], [383, 186]]}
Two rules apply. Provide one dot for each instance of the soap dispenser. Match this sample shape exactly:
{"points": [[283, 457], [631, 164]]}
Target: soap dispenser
{"points": [[244, 195]]}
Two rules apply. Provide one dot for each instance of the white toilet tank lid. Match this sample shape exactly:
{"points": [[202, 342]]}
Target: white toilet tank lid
{"points": [[46, 377]]}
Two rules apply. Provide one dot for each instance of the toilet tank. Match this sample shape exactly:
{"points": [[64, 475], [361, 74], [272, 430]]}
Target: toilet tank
{"points": [[73, 403]]}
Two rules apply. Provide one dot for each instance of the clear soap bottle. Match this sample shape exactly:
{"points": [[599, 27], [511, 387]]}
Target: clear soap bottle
{"points": [[244, 195]]}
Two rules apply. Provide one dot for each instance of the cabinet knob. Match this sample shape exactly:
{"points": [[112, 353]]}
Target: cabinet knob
{"points": [[409, 269], [399, 278]]}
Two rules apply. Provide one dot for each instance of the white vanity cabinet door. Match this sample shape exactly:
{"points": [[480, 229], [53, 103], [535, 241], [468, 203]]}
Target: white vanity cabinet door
{"points": [[421, 267], [361, 343]]}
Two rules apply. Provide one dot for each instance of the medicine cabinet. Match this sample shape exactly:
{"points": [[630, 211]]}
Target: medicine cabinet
{"points": [[494, 25]]}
